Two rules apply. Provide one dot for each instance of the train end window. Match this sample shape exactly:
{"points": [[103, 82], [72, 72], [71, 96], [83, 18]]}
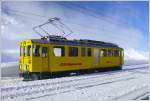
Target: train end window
{"points": [[116, 53], [59, 51], [82, 52], [122, 53], [73, 51], [36, 50], [44, 52], [89, 52]]}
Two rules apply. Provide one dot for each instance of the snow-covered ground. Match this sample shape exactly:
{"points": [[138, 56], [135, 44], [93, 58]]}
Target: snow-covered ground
{"points": [[129, 83]]}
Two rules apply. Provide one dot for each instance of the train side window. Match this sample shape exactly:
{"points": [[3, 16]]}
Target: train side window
{"points": [[36, 50], [82, 52], [59, 51], [116, 53], [29, 51], [44, 52], [103, 52], [89, 52], [110, 52], [73, 51]]}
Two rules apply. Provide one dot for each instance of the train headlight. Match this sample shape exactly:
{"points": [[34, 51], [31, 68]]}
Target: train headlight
{"points": [[24, 67]]}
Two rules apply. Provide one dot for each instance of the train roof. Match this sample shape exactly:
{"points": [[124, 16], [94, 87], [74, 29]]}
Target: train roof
{"points": [[81, 42]]}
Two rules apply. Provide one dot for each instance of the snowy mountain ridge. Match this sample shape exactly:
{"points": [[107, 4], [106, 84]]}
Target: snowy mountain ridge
{"points": [[132, 54]]}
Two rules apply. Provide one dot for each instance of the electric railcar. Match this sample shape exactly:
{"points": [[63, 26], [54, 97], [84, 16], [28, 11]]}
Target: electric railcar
{"points": [[40, 58]]}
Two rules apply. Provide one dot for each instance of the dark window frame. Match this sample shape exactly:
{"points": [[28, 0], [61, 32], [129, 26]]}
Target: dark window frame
{"points": [[36, 50], [44, 51], [73, 51], [104, 54], [89, 52], [29, 50], [116, 53], [83, 51], [110, 52]]}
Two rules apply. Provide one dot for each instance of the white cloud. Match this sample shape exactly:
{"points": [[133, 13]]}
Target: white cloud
{"points": [[13, 29], [126, 37], [8, 20]]}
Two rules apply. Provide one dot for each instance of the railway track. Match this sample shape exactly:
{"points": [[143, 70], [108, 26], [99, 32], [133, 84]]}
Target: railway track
{"points": [[15, 81], [141, 93], [68, 84], [36, 89]]}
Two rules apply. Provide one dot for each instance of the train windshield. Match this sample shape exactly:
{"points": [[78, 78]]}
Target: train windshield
{"points": [[25, 50]]}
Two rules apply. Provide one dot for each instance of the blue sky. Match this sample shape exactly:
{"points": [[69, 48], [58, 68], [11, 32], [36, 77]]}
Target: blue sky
{"points": [[134, 14], [123, 23]]}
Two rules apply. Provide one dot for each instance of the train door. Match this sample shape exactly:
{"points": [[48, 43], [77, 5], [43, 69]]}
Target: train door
{"points": [[45, 58], [96, 56], [37, 58]]}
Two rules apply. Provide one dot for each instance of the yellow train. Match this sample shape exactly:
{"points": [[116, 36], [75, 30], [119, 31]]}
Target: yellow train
{"points": [[42, 58]]}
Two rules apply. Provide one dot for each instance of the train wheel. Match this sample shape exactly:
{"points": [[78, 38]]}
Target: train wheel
{"points": [[34, 77]]}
